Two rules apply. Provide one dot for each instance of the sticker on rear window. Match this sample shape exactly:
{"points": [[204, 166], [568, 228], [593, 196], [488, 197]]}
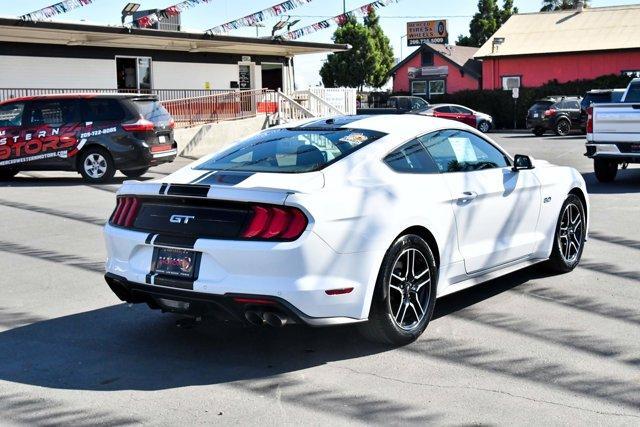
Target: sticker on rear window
{"points": [[355, 138]]}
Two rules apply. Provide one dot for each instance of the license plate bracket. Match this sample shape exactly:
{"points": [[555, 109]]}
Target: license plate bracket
{"points": [[181, 264]]}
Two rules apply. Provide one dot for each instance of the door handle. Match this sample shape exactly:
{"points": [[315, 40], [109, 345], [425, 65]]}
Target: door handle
{"points": [[467, 196]]}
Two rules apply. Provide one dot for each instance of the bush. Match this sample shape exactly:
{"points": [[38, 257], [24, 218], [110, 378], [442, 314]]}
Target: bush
{"points": [[500, 104]]}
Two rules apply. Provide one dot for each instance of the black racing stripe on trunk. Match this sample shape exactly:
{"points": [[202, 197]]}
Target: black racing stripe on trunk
{"points": [[226, 178], [148, 278], [149, 239], [188, 190], [163, 188], [175, 241], [171, 282]]}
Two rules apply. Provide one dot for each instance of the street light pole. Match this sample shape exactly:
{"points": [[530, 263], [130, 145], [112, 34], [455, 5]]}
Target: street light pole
{"points": [[344, 6], [402, 47]]}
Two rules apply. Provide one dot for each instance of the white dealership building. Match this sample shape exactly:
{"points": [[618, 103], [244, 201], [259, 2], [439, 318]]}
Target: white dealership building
{"points": [[57, 55]]}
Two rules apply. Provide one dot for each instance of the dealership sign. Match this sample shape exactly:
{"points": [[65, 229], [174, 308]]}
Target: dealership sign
{"points": [[428, 71], [422, 32]]}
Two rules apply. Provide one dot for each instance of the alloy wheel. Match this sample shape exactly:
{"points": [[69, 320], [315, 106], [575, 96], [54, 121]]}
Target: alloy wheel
{"points": [[571, 233], [564, 127], [409, 289], [95, 165], [484, 127]]}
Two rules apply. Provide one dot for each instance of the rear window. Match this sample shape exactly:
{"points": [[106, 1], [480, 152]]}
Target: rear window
{"points": [[541, 105], [152, 110], [294, 150], [104, 110], [634, 94]]}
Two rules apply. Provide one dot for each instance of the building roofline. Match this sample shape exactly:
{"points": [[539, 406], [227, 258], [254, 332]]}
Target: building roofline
{"points": [[402, 63], [571, 52], [178, 35]]}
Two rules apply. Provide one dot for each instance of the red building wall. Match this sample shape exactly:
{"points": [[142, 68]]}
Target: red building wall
{"points": [[538, 70], [455, 81]]}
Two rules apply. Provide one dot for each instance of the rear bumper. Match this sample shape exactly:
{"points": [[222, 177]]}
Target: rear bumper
{"points": [[227, 307], [611, 151], [141, 157], [298, 273]]}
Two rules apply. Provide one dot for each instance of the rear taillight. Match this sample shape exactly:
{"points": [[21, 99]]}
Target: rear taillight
{"points": [[275, 223], [172, 124], [126, 211], [142, 125], [550, 112], [590, 120]]}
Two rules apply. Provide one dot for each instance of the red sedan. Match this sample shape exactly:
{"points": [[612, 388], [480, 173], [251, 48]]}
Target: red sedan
{"points": [[482, 122]]}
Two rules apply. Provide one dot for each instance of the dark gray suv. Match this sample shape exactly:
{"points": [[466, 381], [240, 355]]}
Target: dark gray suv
{"points": [[558, 114]]}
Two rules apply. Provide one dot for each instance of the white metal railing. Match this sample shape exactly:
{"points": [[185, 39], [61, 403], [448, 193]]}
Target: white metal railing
{"points": [[290, 110]]}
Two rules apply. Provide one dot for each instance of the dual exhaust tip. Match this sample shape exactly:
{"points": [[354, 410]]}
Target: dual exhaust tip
{"points": [[270, 318]]}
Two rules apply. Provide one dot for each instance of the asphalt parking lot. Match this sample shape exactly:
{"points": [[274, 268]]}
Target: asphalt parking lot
{"points": [[525, 349]]}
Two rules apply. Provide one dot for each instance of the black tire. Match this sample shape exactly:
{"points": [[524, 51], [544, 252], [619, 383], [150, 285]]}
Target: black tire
{"points": [[136, 173], [605, 170], [385, 327], [104, 163], [484, 126], [562, 127], [538, 131], [7, 174], [575, 234]]}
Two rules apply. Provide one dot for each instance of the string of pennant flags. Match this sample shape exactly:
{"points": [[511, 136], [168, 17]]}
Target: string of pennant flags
{"points": [[254, 18], [338, 20], [149, 20], [55, 9]]}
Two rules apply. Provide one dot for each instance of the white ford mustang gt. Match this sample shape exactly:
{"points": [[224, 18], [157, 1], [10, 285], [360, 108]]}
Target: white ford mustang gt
{"points": [[343, 220]]}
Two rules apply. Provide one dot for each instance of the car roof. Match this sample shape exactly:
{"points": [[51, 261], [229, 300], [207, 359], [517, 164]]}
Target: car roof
{"points": [[402, 126], [80, 96]]}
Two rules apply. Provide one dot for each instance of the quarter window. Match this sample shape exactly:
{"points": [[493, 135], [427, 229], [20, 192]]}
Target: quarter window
{"points": [[11, 114], [460, 151], [411, 158]]}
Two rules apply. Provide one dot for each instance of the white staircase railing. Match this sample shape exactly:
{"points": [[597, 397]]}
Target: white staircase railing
{"points": [[289, 110]]}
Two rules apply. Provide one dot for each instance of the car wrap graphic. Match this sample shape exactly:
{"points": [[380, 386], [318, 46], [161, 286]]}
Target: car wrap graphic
{"points": [[18, 146]]}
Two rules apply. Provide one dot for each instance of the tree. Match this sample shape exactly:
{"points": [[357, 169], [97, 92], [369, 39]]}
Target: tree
{"points": [[549, 5], [369, 60], [380, 75], [486, 22]]}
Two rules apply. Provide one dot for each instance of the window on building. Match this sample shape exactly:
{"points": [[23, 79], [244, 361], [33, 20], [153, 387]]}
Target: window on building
{"points": [[419, 87], [426, 58], [436, 87], [460, 151], [510, 82], [134, 74], [411, 158]]}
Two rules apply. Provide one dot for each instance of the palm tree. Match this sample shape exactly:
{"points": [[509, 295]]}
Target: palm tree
{"points": [[548, 5]]}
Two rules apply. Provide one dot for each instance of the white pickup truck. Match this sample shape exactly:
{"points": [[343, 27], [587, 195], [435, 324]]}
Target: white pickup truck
{"points": [[613, 133]]}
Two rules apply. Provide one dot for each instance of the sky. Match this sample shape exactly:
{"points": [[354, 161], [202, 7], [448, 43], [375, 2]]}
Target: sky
{"points": [[206, 15]]}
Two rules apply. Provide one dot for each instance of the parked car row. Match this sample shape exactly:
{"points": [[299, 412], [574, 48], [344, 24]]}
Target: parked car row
{"points": [[416, 105], [563, 114]]}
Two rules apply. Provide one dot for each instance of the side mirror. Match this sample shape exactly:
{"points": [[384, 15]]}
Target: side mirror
{"points": [[522, 162]]}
